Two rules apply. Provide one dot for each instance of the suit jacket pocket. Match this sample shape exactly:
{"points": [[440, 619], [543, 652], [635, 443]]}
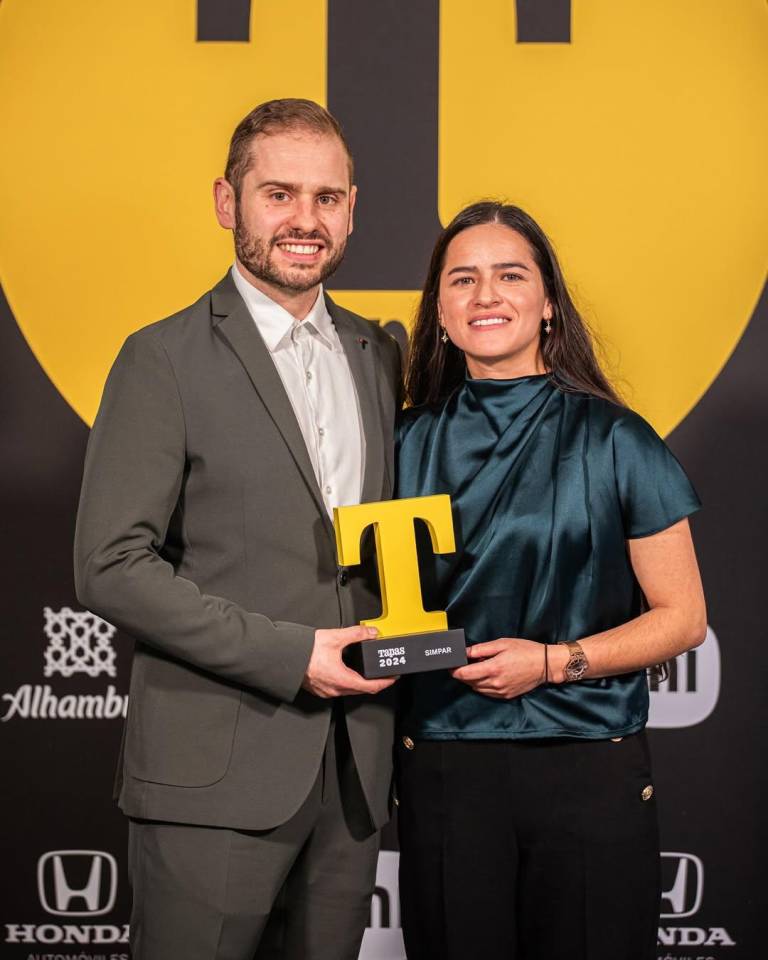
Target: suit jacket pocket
{"points": [[181, 723]]}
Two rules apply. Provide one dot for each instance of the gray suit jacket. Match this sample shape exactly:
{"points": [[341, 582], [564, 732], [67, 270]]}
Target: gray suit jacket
{"points": [[202, 533]]}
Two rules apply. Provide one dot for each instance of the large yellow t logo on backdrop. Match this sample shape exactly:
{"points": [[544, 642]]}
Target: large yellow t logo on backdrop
{"points": [[638, 144]]}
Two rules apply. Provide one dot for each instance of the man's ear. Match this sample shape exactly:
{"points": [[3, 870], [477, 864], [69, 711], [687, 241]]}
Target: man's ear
{"points": [[352, 199], [224, 203]]}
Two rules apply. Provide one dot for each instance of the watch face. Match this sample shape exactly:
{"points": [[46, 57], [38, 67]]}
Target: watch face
{"points": [[576, 668]]}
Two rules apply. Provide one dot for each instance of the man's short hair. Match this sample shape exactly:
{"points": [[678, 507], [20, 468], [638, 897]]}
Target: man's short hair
{"points": [[274, 116]]}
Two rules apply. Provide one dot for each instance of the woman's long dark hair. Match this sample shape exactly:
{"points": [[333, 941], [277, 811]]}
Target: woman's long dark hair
{"points": [[436, 368]]}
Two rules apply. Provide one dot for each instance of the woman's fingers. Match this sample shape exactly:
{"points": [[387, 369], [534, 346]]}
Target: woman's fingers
{"points": [[510, 667], [474, 672], [490, 648]]}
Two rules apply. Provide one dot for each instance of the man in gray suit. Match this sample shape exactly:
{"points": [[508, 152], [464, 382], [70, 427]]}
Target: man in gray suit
{"points": [[255, 766]]}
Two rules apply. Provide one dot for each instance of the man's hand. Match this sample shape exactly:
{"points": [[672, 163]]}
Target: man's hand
{"points": [[328, 676], [510, 667]]}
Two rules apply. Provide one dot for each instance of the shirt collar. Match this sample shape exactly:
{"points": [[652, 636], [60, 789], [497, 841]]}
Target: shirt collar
{"points": [[275, 324]]}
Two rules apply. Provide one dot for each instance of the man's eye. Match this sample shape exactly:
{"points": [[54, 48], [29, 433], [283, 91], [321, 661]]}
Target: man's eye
{"points": [[279, 195], [327, 200]]}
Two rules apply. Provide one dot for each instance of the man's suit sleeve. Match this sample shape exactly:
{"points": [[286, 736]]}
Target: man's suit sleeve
{"points": [[133, 476]]}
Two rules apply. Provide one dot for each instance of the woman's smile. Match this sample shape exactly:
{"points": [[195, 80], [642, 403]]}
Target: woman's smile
{"points": [[492, 301]]}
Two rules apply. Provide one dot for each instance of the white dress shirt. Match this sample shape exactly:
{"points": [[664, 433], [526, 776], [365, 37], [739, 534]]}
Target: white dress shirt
{"points": [[313, 367]]}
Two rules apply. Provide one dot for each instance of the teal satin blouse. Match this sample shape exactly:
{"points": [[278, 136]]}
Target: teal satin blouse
{"points": [[546, 488]]}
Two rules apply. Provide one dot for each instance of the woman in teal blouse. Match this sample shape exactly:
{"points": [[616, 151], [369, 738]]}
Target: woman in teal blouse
{"points": [[527, 813]]}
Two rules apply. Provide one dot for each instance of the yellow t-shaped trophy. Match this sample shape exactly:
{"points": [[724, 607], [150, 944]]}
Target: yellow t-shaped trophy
{"points": [[423, 641]]}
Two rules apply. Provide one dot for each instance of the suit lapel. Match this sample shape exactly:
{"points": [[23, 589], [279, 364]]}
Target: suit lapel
{"points": [[362, 358], [235, 323]]}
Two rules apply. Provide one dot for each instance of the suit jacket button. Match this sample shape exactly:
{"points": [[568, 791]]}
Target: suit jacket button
{"points": [[343, 577]]}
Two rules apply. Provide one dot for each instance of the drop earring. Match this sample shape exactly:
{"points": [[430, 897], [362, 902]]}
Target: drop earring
{"points": [[548, 327], [443, 335]]}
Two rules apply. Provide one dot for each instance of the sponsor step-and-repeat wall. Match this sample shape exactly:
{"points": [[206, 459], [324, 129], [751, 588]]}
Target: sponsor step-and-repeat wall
{"points": [[631, 131]]}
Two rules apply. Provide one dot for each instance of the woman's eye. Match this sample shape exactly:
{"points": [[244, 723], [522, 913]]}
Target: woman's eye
{"points": [[512, 276], [462, 281]]}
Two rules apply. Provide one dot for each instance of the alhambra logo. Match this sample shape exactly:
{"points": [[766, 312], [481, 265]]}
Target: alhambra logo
{"points": [[79, 642]]}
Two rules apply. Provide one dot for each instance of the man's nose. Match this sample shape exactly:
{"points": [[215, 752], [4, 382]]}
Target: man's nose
{"points": [[304, 215]]}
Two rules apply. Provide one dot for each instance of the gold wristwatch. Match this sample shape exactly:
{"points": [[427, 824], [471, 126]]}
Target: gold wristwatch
{"points": [[577, 664]]}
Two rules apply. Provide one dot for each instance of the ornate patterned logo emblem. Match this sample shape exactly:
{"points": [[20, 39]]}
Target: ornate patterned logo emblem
{"points": [[79, 643]]}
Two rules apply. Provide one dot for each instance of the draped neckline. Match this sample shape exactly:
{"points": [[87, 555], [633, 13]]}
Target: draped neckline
{"points": [[501, 401]]}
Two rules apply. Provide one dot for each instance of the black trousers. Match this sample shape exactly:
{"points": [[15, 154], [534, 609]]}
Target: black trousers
{"points": [[520, 850]]}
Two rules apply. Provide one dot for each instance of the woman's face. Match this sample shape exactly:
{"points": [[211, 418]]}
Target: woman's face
{"points": [[492, 302]]}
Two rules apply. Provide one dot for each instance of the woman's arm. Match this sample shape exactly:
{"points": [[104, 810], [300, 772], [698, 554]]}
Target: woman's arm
{"points": [[666, 569]]}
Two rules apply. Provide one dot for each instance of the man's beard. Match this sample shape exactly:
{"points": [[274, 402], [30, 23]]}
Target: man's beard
{"points": [[255, 255]]}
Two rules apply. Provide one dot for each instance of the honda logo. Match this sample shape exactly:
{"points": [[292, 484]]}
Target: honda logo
{"points": [[77, 883], [683, 884]]}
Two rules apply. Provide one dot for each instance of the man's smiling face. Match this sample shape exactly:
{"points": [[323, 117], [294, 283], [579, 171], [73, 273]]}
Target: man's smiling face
{"points": [[294, 212]]}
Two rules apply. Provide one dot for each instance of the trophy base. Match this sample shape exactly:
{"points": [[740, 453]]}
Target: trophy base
{"points": [[416, 653]]}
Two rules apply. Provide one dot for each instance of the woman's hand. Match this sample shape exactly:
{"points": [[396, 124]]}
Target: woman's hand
{"points": [[504, 668]]}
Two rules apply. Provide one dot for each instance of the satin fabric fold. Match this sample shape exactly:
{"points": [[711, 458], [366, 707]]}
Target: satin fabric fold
{"points": [[546, 487]]}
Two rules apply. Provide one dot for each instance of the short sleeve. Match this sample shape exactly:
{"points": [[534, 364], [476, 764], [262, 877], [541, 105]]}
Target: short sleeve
{"points": [[654, 491]]}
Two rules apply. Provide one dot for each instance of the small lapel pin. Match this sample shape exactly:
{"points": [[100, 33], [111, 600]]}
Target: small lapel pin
{"points": [[363, 342]]}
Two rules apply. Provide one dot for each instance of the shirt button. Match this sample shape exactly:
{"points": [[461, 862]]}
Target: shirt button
{"points": [[309, 374], [343, 577], [321, 431], [328, 490], [408, 743]]}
